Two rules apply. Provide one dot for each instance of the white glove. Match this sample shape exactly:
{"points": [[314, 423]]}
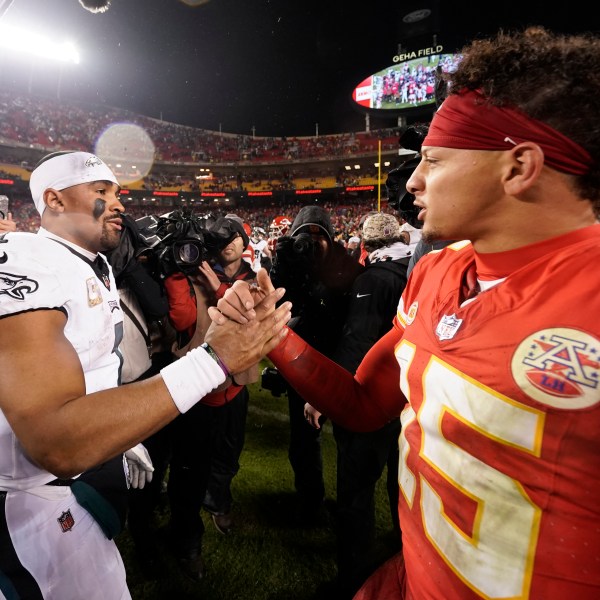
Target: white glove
{"points": [[139, 466]]}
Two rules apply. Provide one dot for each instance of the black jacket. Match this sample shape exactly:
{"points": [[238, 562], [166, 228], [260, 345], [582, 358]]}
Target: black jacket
{"points": [[372, 307], [318, 286]]}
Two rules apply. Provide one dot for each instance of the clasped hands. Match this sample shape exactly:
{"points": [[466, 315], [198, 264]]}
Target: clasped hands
{"points": [[246, 325]]}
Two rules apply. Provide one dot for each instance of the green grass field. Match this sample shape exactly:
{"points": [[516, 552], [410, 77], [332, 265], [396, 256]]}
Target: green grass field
{"points": [[268, 556]]}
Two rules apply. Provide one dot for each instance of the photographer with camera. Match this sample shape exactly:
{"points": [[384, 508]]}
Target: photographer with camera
{"points": [[401, 200], [317, 274], [208, 439], [143, 300], [227, 268], [146, 349], [363, 456]]}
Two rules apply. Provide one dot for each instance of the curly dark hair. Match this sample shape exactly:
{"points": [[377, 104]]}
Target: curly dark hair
{"points": [[551, 77], [376, 243]]}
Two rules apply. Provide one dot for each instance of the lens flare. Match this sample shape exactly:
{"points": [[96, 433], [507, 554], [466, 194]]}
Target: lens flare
{"points": [[128, 150]]}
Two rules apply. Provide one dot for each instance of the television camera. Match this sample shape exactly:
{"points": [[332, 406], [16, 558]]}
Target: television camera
{"points": [[179, 240]]}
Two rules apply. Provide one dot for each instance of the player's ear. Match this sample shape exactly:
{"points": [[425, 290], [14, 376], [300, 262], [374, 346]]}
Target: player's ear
{"points": [[53, 200], [526, 161]]}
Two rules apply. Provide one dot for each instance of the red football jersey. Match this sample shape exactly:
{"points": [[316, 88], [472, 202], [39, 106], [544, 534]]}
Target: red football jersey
{"points": [[271, 243], [500, 480]]}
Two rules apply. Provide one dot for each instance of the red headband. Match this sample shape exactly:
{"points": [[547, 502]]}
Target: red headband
{"points": [[467, 121]]}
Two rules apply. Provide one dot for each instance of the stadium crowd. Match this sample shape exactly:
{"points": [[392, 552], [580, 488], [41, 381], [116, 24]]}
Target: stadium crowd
{"points": [[32, 124], [43, 123], [345, 218]]}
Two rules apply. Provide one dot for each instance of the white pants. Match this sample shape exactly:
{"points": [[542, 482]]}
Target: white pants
{"points": [[76, 564]]}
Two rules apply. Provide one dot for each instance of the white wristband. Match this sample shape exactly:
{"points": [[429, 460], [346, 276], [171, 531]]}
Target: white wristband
{"points": [[191, 377]]}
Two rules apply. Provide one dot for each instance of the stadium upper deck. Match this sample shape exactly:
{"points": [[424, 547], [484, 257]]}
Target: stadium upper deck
{"points": [[189, 162]]}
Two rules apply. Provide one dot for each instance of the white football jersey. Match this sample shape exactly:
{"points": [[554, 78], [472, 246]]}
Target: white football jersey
{"points": [[257, 248], [37, 273], [415, 237]]}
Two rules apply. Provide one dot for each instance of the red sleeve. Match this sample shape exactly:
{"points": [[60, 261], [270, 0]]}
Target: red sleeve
{"points": [[221, 290], [364, 402], [182, 302]]}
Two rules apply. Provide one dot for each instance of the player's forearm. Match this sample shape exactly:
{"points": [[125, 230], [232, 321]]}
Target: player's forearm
{"points": [[327, 386], [71, 432], [91, 429]]}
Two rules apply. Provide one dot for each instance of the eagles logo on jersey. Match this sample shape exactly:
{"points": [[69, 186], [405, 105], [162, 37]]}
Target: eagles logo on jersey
{"points": [[16, 286]]}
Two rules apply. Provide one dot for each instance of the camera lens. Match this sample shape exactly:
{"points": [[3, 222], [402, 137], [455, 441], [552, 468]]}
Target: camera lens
{"points": [[304, 244], [189, 253]]}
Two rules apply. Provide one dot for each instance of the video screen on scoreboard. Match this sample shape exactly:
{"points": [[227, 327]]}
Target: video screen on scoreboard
{"points": [[410, 84]]}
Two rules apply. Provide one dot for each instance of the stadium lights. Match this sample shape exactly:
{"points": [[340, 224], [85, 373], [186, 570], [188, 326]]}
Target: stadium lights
{"points": [[26, 42], [204, 174]]}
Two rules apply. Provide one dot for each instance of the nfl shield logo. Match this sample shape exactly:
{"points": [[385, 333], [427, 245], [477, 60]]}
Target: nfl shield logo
{"points": [[66, 521], [448, 327]]}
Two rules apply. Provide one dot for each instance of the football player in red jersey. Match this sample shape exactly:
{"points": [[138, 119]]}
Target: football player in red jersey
{"points": [[493, 360], [279, 226]]}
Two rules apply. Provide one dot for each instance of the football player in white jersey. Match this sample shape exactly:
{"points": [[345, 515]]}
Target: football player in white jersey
{"points": [[259, 244], [61, 410]]}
